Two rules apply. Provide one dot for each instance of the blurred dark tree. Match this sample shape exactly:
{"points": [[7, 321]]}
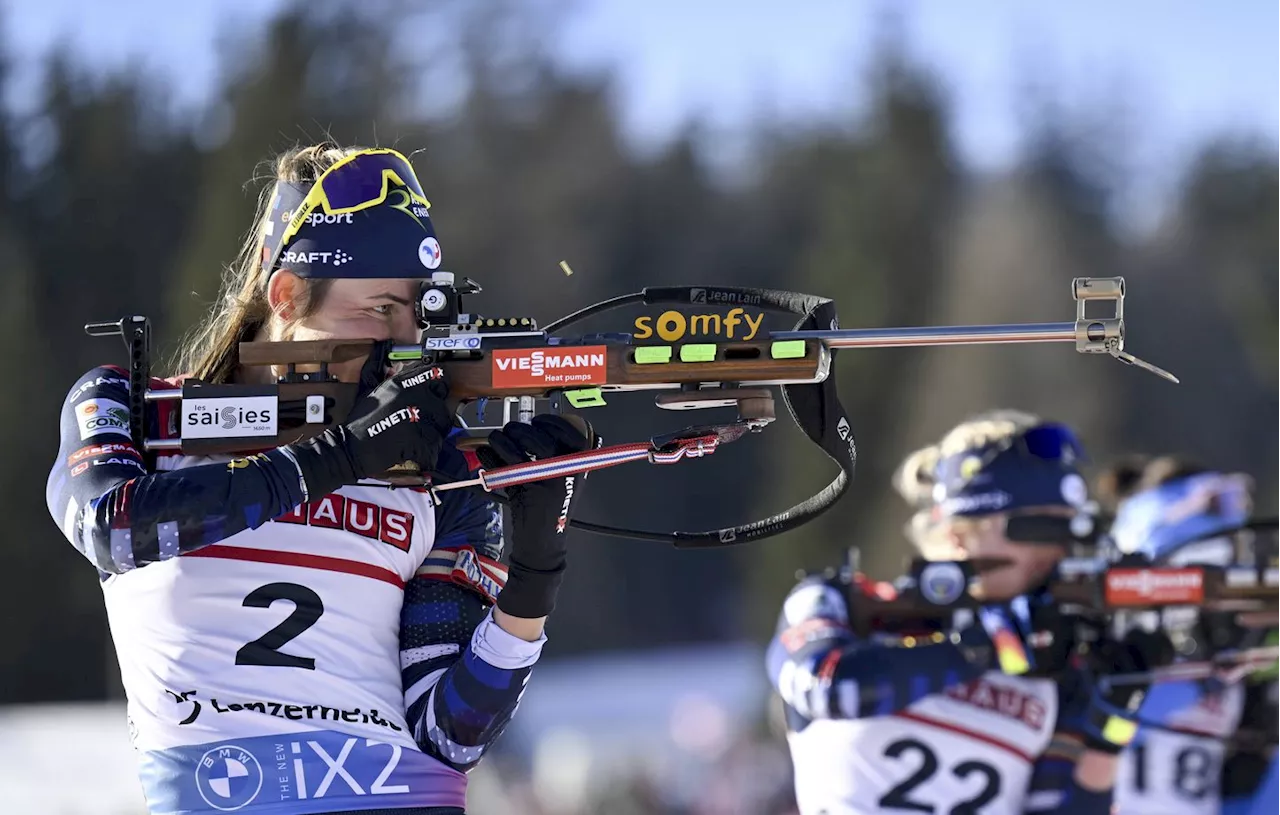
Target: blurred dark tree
{"points": [[89, 229], [881, 199], [1017, 239], [1208, 312]]}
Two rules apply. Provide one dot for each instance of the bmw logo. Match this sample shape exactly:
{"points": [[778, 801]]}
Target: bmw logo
{"points": [[228, 777]]}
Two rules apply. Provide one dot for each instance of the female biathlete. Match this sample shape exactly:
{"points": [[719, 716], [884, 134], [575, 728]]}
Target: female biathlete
{"points": [[293, 638]]}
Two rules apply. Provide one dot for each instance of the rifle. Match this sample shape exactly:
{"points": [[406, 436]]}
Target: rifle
{"points": [[511, 359], [1095, 587], [1105, 592]]}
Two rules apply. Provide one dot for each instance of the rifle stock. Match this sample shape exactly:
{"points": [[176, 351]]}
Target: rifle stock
{"points": [[471, 378], [303, 352]]}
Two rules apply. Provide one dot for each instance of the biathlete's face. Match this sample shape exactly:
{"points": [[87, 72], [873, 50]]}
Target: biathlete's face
{"points": [[977, 538], [376, 309]]}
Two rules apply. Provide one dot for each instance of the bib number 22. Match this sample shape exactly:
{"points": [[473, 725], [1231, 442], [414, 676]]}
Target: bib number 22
{"points": [[899, 798], [265, 650]]}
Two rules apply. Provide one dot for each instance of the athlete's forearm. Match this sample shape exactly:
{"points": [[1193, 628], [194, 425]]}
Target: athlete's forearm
{"points": [[121, 517], [1069, 777], [460, 691], [476, 697], [822, 672], [462, 673], [526, 628], [1089, 791], [1096, 771]]}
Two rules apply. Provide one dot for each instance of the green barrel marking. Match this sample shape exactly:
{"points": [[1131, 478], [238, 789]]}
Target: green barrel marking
{"points": [[585, 397], [649, 354], [698, 352], [787, 349]]}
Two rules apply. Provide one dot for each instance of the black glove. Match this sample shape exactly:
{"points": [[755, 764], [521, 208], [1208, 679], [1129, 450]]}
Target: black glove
{"points": [[1109, 724], [540, 510], [1052, 636], [404, 419]]}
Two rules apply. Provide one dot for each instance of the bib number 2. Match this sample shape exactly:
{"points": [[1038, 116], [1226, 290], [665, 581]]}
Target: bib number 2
{"points": [[899, 798], [265, 650]]}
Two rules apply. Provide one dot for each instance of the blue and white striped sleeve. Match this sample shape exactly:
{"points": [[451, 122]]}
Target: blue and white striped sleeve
{"points": [[463, 675], [823, 671], [121, 515]]}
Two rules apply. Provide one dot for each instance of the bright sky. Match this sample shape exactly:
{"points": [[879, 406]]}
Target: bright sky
{"points": [[1186, 68]]}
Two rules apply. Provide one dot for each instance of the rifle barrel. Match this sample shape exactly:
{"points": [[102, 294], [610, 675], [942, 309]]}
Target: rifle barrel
{"points": [[935, 335], [891, 337]]}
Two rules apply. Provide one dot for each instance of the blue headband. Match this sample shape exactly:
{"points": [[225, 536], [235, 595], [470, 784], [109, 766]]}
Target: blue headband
{"points": [[393, 239], [1035, 468]]}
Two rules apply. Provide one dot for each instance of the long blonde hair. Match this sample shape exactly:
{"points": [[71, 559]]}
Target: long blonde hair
{"points": [[210, 351], [914, 478]]}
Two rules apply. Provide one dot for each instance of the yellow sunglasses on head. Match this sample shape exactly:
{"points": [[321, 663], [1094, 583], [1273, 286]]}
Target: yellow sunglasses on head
{"points": [[357, 182]]}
